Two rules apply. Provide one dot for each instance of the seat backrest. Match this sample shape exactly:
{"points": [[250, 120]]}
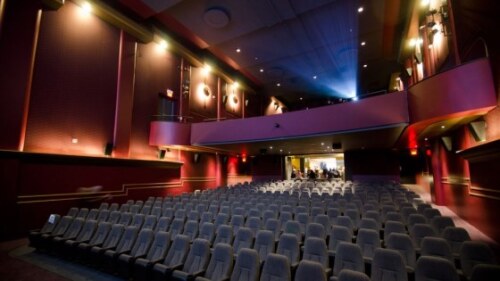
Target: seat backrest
{"points": [[125, 207], [100, 234], [142, 243], [439, 223], [221, 219], [393, 227], [178, 251], [134, 209], [193, 215], [82, 213], [368, 240], [419, 231], [236, 222], [348, 256], [247, 266], [289, 246], [114, 236], [198, 256], [426, 269], [149, 222], [315, 250], [315, 230], [74, 228], [416, 218], [324, 220], [473, 253], [207, 232], [103, 215], [264, 243], [51, 223], [406, 212], [87, 231], [304, 219], [268, 214], [114, 217], [274, 226], [339, 234], [163, 224], [394, 216], [156, 211], [351, 275], [168, 212], [436, 246], [191, 229], [366, 223], [293, 227], [128, 238], [431, 213], [347, 222], [284, 218], [221, 263], [455, 237], [276, 268], [138, 220], [353, 215], [125, 219], [243, 239], [159, 247], [402, 243], [485, 272], [388, 265], [310, 270], [176, 227], [254, 223], [224, 234], [92, 215]]}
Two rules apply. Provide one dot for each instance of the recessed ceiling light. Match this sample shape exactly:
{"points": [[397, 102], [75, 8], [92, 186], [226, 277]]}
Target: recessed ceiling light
{"points": [[300, 98], [426, 138], [238, 50], [261, 70], [322, 143], [315, 77], [365, 65], [256, 58], [278, 84], [363, 43], [270, 147], [360, 9], [443, 127], [87, 8], [281, 150]]}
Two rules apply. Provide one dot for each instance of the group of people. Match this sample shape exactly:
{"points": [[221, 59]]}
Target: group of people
{"points": [[312, 174]]}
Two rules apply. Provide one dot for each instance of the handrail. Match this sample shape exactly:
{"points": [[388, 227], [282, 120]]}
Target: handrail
{"points": [[471, 47], [169, 117]]}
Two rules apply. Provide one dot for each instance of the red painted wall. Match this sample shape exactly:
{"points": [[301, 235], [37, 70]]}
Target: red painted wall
{"points": [[18, 28], [371, 165], [74, 85]]}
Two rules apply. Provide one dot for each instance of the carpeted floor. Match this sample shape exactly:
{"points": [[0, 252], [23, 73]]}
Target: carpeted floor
{"points": [[19, 262]]}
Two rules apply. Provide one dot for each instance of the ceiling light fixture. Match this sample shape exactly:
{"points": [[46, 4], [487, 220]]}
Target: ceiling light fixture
{"points": [[360, 9], [278, 84], [315, 77], [363, 43], [206, 69], [443, 127], [365, 65], [261, 70], [87, 8], [238, 50]]}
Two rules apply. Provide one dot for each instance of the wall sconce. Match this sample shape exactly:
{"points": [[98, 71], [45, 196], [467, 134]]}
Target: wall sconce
{"points": [[206, 70], [235, 100], [276, 105]]}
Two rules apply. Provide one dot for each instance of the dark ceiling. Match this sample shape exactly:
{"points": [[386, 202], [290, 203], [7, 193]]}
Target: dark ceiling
{"points": [[305, 52]]}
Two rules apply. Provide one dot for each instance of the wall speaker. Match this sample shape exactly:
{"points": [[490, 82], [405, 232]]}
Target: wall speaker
{"points": [[224, 159], [108, 149], [447, 142], [161, 153], [478, 130], [224, 99], [53, 4], [196, 157], [263, 151], [337, 145]]}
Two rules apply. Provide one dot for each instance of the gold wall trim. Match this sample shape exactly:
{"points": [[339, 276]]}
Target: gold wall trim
{"points": [[484, 195], [456, 180], [476, 188], [124, 191]]}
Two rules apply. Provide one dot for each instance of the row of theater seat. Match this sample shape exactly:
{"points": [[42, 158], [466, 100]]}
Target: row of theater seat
{"points": [[315, 234]]}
